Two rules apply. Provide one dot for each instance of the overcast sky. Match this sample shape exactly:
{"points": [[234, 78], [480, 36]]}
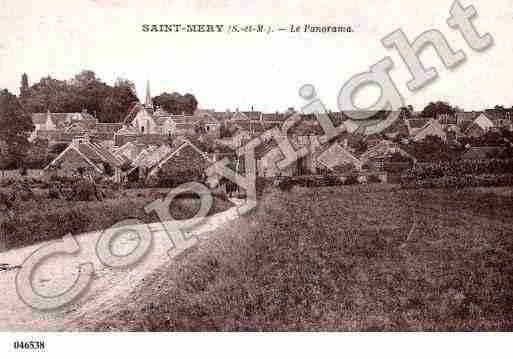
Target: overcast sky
{"points": [[60, 38]]}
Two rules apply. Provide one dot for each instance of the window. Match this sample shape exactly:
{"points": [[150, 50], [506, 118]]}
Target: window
{"points": [[142, 129]]}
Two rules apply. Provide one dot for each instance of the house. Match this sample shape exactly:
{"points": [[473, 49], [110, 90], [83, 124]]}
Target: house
{"points": [[146, 160], [51, 125], [431, 128], [465, 117], [143, 119], [184, 162], [61, 121], [479, 126], [501, 117], [84, 158], [336, 158], [130, 150], [375, 157], [416, 123]]}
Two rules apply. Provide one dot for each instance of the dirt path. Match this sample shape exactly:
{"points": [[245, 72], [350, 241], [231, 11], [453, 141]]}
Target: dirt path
{"points": [[109, 286]]}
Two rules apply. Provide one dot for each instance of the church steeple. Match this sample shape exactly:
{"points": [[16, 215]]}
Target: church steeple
{"points": [[148, 103]]}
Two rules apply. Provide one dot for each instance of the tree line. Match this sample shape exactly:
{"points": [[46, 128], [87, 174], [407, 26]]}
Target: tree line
{"points": [[85, 91]]}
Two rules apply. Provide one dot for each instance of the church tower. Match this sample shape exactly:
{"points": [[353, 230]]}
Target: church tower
{"points": [[148, 104]]}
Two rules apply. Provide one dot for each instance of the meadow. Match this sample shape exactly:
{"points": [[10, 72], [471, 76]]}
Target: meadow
{"points": [[340, 258]]}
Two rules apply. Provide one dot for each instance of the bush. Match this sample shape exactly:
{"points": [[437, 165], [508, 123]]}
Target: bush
{"points": [[459, 168], [84, 191], [286, 184], [485, 180], [373, 179], [351, 180]]}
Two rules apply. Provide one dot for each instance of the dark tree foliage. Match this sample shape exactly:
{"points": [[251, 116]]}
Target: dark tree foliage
{"points": [[15, 127], [84, 91], [434, 109], [176, 104], [432, 148]]}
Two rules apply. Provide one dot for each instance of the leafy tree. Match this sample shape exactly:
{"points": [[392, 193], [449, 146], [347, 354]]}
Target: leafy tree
{"points": [[15, 127], [406, 111], [434, 109], [176, 104], [84, 91], [432, 148]]}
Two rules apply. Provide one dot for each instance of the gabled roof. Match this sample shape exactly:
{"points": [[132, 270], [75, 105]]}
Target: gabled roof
{"points": [[108, 127], [179, 145], [273, 116], [61, 120], [94, 154], [336, 156], [382, 150], [418, 123], [465, 116], [432, 124], [483, 121], [253, 115], [136, 107], [130, 150]]}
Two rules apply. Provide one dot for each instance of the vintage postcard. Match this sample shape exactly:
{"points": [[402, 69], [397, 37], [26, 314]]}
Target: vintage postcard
{"points": [[275, 166]]}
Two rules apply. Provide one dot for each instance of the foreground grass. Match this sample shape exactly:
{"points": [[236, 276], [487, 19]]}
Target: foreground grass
{"points": [[43, 219], [341, 259]]}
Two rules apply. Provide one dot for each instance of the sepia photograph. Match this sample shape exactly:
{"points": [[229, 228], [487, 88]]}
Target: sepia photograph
{"points": [[326, 169]]}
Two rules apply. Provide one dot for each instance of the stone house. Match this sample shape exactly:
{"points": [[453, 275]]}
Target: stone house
{"points": [[83, 158], [376, 157], [431, 128], [184, 162]]}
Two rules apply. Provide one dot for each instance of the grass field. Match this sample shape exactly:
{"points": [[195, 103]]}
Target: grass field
{"points": [[346, 258], [42, 219]]}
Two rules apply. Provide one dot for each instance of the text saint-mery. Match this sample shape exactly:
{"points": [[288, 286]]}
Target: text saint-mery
{"points": [[182, 28]]}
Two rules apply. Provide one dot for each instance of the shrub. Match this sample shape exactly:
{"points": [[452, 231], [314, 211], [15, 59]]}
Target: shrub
{"points": [[84, 191], [373, 179], [351, 180], [286, 184]]}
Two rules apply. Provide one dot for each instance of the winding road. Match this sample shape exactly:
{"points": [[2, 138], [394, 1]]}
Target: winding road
{"points": [[108, 288]]}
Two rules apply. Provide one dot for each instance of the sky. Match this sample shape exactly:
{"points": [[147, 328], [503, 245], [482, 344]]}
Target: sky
{"points": [[230, 71]]}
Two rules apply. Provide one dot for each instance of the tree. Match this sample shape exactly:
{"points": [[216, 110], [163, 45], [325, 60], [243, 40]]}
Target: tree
{"points": [[176, 104], [406, 111], [15, 127], [115, 105], [434, 109], [84, 91]]}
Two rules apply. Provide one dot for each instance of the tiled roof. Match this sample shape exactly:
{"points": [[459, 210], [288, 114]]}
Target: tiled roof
{"points": [[252, 115], [60, 120], [152, 139], [419, 122], [136, 107], [108, 127], [466, 116], [96, 153]]}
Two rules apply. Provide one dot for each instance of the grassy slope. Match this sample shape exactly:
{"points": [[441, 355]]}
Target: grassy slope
{"points": [[44, 219], [341, 259]]}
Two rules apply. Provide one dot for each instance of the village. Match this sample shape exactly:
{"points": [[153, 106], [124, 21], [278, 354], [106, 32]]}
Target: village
{"points": [[152, 146], [410, 206]]}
